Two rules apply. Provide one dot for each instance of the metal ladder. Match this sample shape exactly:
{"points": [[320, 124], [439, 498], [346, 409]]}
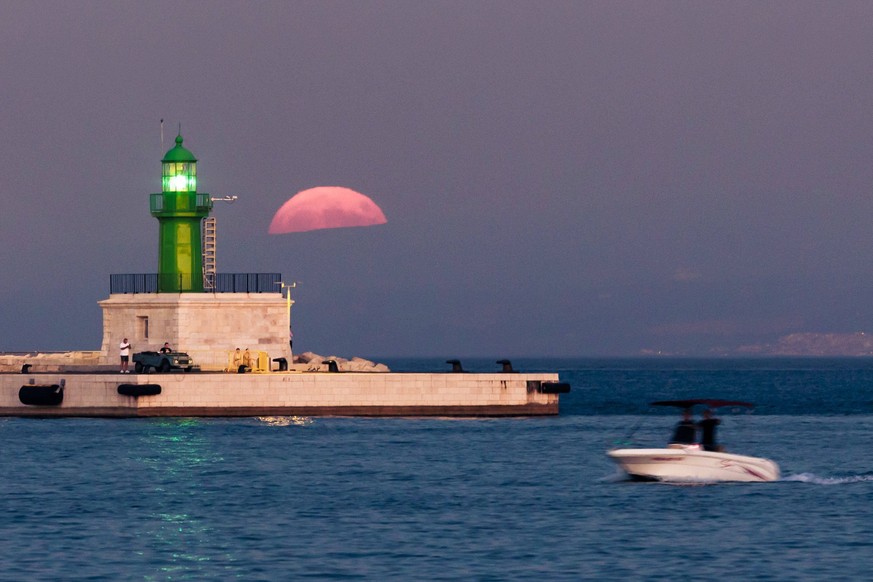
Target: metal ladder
{"points": [[209, 242]]}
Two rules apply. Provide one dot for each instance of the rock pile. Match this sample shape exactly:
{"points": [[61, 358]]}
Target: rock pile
{"points": [[315, 362]]}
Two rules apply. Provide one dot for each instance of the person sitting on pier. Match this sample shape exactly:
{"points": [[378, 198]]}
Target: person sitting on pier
{"points": [[707, 431], [238, 364], [686, 430]]}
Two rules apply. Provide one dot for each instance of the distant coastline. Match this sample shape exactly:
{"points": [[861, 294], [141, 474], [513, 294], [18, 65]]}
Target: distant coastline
{"points": [[815, 344], [801, 344]]}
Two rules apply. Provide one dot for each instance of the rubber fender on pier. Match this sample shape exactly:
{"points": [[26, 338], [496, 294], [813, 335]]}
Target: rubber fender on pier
{"points": [[554, 387], [139, 389], [42, 394]]}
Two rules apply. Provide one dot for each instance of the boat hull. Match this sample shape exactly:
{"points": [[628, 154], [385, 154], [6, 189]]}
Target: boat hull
{"points": [[692, 464]]}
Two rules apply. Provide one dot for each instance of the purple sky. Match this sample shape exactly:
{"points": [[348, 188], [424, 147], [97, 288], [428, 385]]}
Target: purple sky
{"points": [[559, 178]]}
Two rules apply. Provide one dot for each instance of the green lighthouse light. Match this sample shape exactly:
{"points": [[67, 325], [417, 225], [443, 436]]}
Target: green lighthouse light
{"points": [[179, 169], [180, 178]]}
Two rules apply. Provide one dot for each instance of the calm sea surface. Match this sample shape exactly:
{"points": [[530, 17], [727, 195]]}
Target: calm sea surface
{"points": [[448, 499]]}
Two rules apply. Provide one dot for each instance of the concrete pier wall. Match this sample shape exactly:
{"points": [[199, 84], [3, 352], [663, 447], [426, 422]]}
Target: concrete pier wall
{"points": [[292, 393]]}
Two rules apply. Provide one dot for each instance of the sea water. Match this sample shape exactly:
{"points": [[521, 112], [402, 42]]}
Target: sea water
{"points": [[449, 499]]}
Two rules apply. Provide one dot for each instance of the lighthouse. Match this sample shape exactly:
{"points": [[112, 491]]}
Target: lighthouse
{"points": [[175, 305], [180, 210]]}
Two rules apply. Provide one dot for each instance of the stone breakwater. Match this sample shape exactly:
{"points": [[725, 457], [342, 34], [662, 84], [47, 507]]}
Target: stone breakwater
{"points": [[53, 361], [94, 361], [278, 394]]}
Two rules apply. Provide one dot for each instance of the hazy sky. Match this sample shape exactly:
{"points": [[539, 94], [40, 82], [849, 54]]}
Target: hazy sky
{"points": [[559, 178]]}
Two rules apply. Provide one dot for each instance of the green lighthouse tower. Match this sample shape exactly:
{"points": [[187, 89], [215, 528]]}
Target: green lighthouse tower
{"points": [[180, 210]]}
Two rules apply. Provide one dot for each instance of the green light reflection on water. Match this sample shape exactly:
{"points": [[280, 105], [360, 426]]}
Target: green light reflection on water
{"points": [[176, 534], [182, 533]]}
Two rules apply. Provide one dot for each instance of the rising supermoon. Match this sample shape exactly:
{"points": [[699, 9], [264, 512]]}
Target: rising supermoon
{"points": [[326, 207]]}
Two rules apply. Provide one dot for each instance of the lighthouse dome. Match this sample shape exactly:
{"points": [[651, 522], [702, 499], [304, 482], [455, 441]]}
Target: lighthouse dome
{"points": [[179, 153]]}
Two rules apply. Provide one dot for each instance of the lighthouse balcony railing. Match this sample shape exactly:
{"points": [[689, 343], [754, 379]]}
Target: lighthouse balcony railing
{"points": [[180, 202], [131, 283]]}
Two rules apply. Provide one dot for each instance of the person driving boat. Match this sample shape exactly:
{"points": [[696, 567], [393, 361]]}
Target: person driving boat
{"points": [[686, 430], [707, 431]]}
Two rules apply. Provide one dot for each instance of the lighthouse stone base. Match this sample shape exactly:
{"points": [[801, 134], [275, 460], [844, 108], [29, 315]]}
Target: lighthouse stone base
{"points": [[207, 326]]}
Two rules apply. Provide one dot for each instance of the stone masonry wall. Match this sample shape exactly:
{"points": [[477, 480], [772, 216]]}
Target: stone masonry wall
{"points": [[206, 326]]}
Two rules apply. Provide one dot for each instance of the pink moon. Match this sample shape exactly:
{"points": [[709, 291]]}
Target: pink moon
{"points": [[326, 207]]}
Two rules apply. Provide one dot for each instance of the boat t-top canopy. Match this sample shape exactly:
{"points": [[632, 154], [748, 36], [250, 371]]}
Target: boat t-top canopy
{"points": [[711, 403]]}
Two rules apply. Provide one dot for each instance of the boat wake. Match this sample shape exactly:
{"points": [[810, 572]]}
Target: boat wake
{"points": [[286, 420], [617, 477], [817, 480]]}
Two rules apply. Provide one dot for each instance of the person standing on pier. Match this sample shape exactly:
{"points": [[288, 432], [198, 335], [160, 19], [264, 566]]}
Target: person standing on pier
{"points": [[124, 346]]}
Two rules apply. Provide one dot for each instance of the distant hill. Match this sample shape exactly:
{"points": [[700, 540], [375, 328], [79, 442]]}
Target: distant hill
{"points": [[814, 344]]}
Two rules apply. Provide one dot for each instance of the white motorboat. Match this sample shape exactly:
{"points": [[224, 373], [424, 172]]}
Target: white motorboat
{"points": [[693, 461]]}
